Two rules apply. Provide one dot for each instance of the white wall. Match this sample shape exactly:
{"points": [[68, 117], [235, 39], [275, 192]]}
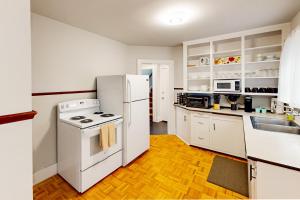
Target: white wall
{"points": [[15, 87], [178, 68], [65, 58], [15, 57]]}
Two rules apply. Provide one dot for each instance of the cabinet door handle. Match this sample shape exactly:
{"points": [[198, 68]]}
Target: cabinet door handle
{"points": [[200, 138], [214, 126], [200, 122], [184, 118], [251, 173]]}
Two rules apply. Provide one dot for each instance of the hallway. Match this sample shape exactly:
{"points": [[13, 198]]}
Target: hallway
{"points": [[158, 128]]}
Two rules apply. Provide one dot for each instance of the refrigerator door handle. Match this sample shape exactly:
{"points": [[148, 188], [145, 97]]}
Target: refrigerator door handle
{"points": [[129, 111], [129, 90]]}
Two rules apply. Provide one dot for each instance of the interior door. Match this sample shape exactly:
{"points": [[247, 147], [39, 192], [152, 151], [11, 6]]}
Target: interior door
{"points": [[164, 91], [137, 130], [137, 87]]}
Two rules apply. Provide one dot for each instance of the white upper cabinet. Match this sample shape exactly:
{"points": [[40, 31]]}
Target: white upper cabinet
{"points": [[290, 71], [251, 56]]}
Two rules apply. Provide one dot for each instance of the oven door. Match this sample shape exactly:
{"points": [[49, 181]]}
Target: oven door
{"points": [[224, 85], [91, 152]]}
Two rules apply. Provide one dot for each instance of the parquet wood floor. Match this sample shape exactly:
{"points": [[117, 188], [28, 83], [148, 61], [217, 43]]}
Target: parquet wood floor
{"points": [[169, 170]]}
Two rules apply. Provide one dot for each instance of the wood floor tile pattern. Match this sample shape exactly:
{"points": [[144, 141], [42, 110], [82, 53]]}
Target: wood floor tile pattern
{"points": [[169, 170]]}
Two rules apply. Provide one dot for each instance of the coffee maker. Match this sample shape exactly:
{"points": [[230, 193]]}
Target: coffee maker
{"points": [[248, 104], [232, 99]]}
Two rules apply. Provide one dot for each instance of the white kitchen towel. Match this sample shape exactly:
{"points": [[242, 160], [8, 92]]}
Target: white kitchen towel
{"points": [[111, 134], [103, 138]]}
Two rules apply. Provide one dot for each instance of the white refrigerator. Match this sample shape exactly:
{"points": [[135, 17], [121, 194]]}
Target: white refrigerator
{"points": [[128, 95]]}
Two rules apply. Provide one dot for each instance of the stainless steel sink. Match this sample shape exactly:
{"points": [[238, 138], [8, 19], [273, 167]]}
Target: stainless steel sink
{"points": [[275, 125], [263, 120]]}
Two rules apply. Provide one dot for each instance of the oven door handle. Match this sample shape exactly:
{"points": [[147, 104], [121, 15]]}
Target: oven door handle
{"points": [[89, 131]]}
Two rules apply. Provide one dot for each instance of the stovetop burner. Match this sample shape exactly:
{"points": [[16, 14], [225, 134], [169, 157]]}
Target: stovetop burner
{"points": [[86, 121], [107, 115], [98, 113], [77, 117]]}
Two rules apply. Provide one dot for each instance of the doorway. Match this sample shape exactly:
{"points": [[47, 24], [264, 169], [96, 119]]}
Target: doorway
{"points": [[160, 97]]}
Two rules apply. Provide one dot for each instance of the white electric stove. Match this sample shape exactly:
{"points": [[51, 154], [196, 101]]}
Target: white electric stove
{"points": [[85, 120], [81, 160]]}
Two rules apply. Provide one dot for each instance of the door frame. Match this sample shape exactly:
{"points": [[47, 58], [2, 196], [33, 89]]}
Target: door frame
{"points": [[171, 116], [163, 110], [155, 104]]}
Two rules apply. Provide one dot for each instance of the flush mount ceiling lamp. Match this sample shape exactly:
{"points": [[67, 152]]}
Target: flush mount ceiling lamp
{"points": [[176, 16]]}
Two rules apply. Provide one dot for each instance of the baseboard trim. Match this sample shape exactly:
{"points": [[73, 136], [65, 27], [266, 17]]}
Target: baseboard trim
{"points": [[44, 174]]}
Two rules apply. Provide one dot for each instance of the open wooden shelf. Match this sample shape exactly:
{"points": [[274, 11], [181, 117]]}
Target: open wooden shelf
{"points": [[227, 93], [265, 77], [264, 47], [231, 78], [231, 64], [199, 79], [263, 62], [198, 55], [250, 45], [229, 52], [199, 67]]}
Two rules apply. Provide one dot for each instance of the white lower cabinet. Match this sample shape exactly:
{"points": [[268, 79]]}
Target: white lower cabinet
{"points": [[200, 129], [228, 135], [267, 181], [183, 124], [220, 133]]}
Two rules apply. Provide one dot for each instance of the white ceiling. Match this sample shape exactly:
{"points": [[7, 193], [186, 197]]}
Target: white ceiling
{"points": [[136, 22]]}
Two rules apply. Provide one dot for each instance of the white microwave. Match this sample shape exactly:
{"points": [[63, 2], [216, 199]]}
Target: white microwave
{"points": [[227, 85]]}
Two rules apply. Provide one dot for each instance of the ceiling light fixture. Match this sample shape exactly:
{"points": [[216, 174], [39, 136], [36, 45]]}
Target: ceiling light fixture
{"points": [[177, 18], [178, 15]]}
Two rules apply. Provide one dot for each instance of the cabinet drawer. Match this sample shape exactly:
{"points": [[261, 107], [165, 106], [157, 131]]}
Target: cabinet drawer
{"points": [[97, 172], [200, 130]]}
